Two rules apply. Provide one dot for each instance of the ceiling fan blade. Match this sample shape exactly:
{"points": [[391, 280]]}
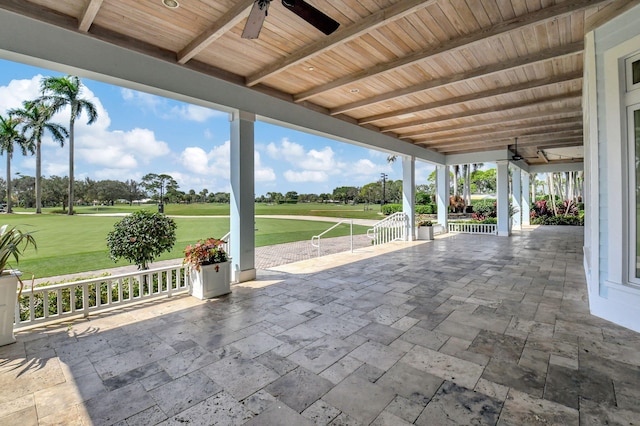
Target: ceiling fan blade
{"points": [[256, 19], [318, 19]]}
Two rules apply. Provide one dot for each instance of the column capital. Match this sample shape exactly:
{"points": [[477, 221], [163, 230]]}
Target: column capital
{"points": [[242, 115]]}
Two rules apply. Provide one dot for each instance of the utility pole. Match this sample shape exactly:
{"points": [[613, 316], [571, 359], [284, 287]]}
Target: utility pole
{"points": [[384, 188]]}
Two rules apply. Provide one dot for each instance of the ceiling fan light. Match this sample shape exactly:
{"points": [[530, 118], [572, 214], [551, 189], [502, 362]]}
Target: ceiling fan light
{"points": [[171, 4]]}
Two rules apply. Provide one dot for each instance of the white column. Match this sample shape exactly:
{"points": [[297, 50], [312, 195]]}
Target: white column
{"points": [[503, 198], [526, 199], [516, 179], [409, 194], [242, 197], [442, 181]]}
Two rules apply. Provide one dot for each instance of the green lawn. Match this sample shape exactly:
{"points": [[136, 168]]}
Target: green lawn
{"points": [[211, 209], [69, 244]]}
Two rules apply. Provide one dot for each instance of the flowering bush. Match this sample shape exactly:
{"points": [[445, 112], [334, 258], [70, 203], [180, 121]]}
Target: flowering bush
{"points": [[205, 252]]}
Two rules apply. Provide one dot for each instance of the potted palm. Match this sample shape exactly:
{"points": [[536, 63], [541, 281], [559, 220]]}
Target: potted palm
{"points": [[209, 268], [425, 229], [12, 244]]}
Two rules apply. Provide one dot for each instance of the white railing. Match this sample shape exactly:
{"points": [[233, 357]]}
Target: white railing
{"points": [[474, 228], [42, 305], [392, 228], [315, 240], [227, 242]]}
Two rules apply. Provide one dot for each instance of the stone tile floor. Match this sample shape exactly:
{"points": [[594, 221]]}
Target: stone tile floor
{"points": [[461, 330]]}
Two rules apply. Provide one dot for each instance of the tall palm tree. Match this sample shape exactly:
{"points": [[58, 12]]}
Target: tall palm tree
{"points": [[9, 135], [62, 91], [34, 118]]}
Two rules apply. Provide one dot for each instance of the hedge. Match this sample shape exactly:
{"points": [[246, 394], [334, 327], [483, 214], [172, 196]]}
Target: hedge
{"points": [[389, 209]]}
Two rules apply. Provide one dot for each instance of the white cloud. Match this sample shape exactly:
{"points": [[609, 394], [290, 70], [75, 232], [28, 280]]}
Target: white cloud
{"points": [[142, 100], [215, 162], [194, 113], [306, 176], [262, 173], [13, 94]]}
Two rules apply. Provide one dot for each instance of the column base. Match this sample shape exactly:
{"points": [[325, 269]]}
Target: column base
{"points": [[242, 276]]}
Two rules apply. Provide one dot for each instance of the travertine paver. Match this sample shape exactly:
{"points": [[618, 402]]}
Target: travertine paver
{"points": [[461, 330]]}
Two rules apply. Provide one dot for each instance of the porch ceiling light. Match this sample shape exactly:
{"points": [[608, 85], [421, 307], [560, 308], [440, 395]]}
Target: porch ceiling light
{"points": [[171, 4]]}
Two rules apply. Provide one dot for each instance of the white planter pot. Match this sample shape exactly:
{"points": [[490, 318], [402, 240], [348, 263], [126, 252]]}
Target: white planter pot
{"points": [[210, 281], [8, 300], [425, 232]]}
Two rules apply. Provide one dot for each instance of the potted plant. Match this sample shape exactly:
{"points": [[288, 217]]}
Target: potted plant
{"points": [[209, 268], [425, 229], [12, 244]]}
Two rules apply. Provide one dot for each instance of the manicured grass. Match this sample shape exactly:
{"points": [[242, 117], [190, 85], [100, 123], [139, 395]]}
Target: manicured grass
{"points": [[211, 209], [70, 244]]}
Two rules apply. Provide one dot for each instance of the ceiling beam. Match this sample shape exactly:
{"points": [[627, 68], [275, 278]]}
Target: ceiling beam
{"points": [[541, 155], [89, 15], [545, 141], [484, 71], [558, 143], [607, 13], [519, 22], [230, 19], [568, 117], [521, 87], [469, 138], [487, 156], [553, 167], [343, 35], [495, 109]]}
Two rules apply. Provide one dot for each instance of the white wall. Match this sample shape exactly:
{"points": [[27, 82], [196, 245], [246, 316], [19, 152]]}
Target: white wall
{"points": [[611, 293]]}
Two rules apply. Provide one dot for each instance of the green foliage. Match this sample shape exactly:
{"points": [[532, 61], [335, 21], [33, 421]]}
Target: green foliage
{"points": [[141, 237], [427, 209], [559, 220], [12, 243], [389, 209], [484, 208]]}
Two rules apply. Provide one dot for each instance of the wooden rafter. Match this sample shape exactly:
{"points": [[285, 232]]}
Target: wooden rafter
{"points": [[493, 145], [546, 55], [524, 138], [343, 35], [573, 115], [516, 23], [237, 13], [463, 138], [514, 89], [540, 102], [89, 14]]}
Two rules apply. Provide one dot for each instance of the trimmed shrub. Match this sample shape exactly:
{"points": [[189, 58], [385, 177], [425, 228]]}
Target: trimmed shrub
{"points": [[559, 220], [389, 209]]}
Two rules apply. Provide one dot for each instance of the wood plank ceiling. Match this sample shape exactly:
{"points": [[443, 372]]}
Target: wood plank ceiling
{"points": [[454, 76]]}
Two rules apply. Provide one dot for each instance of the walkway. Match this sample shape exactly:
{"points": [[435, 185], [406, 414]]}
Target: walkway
{"points": [[460, 330]]}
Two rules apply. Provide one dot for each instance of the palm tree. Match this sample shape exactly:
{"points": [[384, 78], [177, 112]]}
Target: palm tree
{"points": [[34, 118], [10, 134], [62, 91]]}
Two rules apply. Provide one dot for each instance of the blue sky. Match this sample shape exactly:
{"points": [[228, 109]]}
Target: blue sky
{"points": [[137, 133]]}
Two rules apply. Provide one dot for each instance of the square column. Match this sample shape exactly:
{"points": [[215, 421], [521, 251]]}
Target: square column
{"points": [[526, 199], [409, 195], [243, 239], [516, 180], [503, 198], [442, 191]]}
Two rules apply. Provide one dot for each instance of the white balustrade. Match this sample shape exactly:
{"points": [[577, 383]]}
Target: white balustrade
{"points": [[392, 228], [474, 228], [42, 305]]}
